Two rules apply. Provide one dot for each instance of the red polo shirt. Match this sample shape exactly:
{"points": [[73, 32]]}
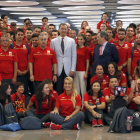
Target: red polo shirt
{"points": [[43, 61], [107, 92], [24, 30], [136, 57], [83, 55], [48, 43], [8, 26], [123, 79], [54, 93], [42, 28], [7, 60], [45, 107], [65, 104], [132, 41], [111, 41], [123, 54], [99, 24], [104, 82], [91, 49], [22, 54], [15, 97], [116, 38]]}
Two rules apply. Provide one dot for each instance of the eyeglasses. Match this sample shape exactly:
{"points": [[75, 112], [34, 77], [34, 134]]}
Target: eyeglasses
{"points": [[121, 34]]}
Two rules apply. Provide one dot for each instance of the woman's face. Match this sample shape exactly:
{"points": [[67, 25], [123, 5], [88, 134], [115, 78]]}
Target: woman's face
{"points": [[50, 86], [68, 85], [96, 87], [99, 70], [46, 90], [20, 89], [85, 25], [111, 69], [81, 40], [8, 91]]}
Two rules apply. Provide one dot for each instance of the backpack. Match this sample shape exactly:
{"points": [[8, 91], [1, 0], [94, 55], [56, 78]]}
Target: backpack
{"points": [[2, 116], [18, 105], [27, 47], [30, 123], [10, 114], [119, 123]]}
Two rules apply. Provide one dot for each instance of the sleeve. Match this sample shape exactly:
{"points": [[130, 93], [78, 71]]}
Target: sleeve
{"points": [[56, 95], [123, 78], [15, 56], [102, 99], [115, 55], [87, 53], [128, 91], [54, 61], [98, 25], [33, 99], [31, 58], [78, 100], [91, 80], [86, 97], [129, 53], [58, 102], [105, 93]]}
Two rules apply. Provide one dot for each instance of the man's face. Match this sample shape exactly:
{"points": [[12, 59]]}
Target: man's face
{"points": [[138, 30], [30, 25], [4, 41], [99, 38], [54, 34], [138, 39], [104, 17], [68, 28], [1, 24], [5, 20], [130, 32], [19, 36], [110, 34], [63, 30], [44, 22], [28, 34], [50, 29], [113, 82], [103, 27], [88, 37], [94, 40], [88, 28], [13, 28], [43, 41], [121, 35], [119, 23], [72, 34], [35, 41], [37, 31], [4, 32]]}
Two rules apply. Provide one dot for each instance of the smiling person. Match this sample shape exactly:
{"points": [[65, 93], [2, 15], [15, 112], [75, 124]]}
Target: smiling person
{"points": [[44, 102], [69, 104], [83, 28], [94, 104], [82, 66], [101, 77], [113, 71]]}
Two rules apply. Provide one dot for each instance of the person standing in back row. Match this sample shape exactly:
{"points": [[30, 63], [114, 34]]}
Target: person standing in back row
{"points": [[65, 50]]}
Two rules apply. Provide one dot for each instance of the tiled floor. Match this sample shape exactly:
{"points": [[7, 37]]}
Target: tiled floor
{"points": [[86, 133]]}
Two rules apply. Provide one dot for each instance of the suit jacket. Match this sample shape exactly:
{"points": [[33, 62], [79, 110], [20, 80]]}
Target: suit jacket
{"points": [[69, 58], [110, 54]]}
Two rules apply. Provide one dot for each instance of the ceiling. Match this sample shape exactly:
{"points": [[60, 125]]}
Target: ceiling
{"points": [[71, 11]]}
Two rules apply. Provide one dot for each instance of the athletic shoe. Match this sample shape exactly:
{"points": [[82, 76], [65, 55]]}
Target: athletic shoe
{"points": [[94, 123], [76, 127], [100, 123], [55, 127], [46, 125]]}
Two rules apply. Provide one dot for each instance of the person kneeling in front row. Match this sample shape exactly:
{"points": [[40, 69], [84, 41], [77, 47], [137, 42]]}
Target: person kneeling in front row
{"points": [[94, 103], [69, 103]]}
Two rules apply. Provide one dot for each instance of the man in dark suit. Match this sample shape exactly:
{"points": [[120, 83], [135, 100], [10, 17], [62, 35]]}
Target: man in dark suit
{"points": [[104, 52]]}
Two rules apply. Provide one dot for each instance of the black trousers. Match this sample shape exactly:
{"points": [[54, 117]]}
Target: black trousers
{"points": [[60, 82]]}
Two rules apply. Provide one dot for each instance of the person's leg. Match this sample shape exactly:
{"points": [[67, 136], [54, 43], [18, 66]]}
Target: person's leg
{"points": [[76, 82], [88, 116], [46, 118], [20, 115], [26, 83], [76, 119], [100, 111], [57, 119]]}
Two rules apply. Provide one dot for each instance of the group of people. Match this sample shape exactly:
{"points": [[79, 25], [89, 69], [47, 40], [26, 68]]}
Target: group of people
{"points": [[84, 69]]}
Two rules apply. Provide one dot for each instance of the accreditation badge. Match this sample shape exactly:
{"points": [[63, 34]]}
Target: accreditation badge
{"points": [[24, 47], [48, 52]]}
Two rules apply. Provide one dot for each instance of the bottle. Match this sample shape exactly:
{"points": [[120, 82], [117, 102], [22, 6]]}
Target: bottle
{"points": [[128, 124]]}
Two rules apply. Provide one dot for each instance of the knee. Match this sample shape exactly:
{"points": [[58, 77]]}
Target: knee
{"points": [[81, 115]]}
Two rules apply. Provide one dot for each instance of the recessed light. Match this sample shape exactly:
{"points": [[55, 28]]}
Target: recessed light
{"points": [[78, 0], [45, 14]]}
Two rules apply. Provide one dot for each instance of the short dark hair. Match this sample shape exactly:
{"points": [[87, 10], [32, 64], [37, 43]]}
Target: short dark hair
{"points": [[122, 30], [12, 33], [26, 19], [3, 16], [119, 21], [18, 84], [56, 31], [35, 35], [90, 32], [19, 30], [51, 25], [37, 27], [112, 78], [1, 20], [13, 24], [104, 14], [29, 22], [44, 18], [94, 34], [29, 29], [130, 27], [109, 28], [4, 28], [62, 24], [133, 25]]}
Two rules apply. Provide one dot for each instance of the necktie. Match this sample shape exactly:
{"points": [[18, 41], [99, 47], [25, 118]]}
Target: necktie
{"points": [[62, 45], [100, 50]]}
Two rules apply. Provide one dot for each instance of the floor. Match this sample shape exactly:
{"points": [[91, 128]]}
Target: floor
{"points": [[85, 133]]}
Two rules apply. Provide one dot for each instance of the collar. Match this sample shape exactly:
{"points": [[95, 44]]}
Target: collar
{"points": [[66, 94], [105, 43]]}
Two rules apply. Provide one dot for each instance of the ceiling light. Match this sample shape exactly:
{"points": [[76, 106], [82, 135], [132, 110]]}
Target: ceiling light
{"points": [[34, 21], [23, 8], [129, 2], [37, 17], [84, 17], [78, 0], [45, 14], [84, 13]]}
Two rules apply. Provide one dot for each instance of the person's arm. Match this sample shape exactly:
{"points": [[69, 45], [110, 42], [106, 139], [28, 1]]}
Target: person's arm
{"points": [[54, 73], [55, 111], [129, 69], [87, 68], [98, 30], [122, 66], [89, 107], [31, 72], [30, 105], [115, 54], [14, 79], [137, 100], [109, 99], [101, 106]]}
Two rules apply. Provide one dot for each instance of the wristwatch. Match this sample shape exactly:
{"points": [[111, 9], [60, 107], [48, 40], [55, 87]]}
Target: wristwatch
{"points": [[54, 74]]}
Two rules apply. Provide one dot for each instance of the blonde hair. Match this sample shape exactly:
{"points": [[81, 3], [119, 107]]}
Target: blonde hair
{"points": [[82, 24], [74, 91]]}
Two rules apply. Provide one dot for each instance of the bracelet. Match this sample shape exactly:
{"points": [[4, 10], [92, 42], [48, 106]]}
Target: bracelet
{"points": [[54, 74], [96, 106]]}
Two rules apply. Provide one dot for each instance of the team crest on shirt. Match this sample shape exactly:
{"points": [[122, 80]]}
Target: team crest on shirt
{"points": [[104, 81], [48, 52], [97, 100], [126, 46], [24, 47], [132, 44], [10, 53]]}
